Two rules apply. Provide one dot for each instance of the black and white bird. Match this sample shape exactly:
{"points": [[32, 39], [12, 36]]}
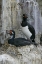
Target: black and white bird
{"points": [[19, 41], [27, 29]]}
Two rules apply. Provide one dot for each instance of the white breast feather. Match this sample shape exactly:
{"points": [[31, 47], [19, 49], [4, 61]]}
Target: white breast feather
{"points": [[26, 31]]}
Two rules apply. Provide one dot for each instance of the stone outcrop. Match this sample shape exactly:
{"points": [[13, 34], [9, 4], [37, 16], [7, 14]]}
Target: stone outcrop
{"points": [[20, 55], [40, 5]]}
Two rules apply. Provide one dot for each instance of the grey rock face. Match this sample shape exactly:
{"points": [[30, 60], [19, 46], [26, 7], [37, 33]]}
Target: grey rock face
{"points": [[20, 55], [40, 4]]}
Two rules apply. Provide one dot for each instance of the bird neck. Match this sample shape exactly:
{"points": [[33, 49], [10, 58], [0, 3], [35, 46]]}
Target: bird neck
{"points": [[25, 19], [24, 23]]}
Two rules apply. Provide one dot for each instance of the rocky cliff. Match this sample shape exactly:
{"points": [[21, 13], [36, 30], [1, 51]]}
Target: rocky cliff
{"points": [[20, 55], [40, 5]]}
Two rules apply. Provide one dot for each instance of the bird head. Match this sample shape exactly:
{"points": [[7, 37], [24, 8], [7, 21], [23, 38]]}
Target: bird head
{"points": [[25, 17]]}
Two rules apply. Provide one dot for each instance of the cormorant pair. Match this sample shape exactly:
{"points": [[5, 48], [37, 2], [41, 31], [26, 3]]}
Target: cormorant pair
{"points": [[29, 32]]}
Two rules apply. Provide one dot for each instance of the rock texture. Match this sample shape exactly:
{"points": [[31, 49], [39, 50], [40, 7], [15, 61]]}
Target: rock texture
{"points": [[40, 5], [20, 55]]}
